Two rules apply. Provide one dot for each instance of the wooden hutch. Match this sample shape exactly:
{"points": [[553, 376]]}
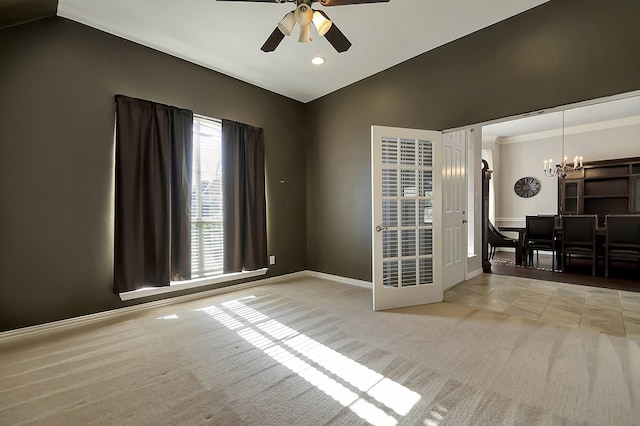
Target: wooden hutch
{"points": [[601, 188]]}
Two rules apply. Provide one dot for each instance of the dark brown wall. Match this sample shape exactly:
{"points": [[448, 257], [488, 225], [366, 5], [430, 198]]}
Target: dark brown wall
{"points": [[561, 52], [14, 12], [57, 85], [58, 78]]}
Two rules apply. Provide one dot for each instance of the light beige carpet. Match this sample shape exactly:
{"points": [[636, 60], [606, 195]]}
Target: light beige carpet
{"points": [[312, 352]]}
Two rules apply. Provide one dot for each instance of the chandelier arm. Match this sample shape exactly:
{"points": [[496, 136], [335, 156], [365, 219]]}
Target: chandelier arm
{"points": [[562, 169]]}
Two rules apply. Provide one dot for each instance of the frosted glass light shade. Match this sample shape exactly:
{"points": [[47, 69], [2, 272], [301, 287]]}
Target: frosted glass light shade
{"points": [[322, 22], [303, 14], [287, 23], [305, 34]]}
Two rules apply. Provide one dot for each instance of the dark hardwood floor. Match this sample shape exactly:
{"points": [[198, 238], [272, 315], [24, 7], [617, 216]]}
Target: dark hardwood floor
{"points": [[622, 275]]}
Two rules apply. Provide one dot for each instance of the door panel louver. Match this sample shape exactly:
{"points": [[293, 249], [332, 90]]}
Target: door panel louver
{"points": [[390, 151], [425, 153], [390, 213], [390, 241], [389, 183]]}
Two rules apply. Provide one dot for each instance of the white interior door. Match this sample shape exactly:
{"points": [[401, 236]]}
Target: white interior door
{"points": [[454, 201], [406, 238]]}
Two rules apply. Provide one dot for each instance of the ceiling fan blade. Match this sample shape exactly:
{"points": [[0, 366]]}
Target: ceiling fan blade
{"points": [[273, 41], [262, 1], [347, 2], [337, 39]]}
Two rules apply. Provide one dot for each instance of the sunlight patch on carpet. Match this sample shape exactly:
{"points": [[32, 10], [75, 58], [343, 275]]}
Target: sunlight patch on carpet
{"points": [[364, 391]]}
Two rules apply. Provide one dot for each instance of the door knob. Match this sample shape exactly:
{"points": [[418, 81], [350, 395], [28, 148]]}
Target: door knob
{"points": [[381, 228], [465, 221]]}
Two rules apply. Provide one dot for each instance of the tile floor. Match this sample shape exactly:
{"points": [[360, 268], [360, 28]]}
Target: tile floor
{"points": [[601, 310]]}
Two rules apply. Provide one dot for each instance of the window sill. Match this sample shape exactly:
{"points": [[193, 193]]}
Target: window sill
{"points": [[185, 285]]}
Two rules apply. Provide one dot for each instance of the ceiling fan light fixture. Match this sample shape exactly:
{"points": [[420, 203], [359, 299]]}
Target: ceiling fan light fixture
{"points": [[287, 23], [305, 34], [303, 14], [322, 22]]}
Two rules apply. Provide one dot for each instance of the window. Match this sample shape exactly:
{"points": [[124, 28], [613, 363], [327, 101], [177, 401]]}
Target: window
{"points": [[206, 198], [183, 246]]}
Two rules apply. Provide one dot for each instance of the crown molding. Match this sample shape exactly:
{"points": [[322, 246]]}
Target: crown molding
{"points": [[585, 128], [490, 139]]}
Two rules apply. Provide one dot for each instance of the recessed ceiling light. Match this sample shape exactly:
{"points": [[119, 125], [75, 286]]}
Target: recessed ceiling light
{"points": [[318, 60]]}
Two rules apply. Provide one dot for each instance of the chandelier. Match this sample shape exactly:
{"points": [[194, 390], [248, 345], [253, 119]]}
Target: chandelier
{"points": [[563, 169]]}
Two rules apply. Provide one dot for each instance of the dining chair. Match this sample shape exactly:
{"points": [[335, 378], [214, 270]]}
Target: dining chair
{"points": [[622, 238], [496, 239], [579, 238], [540, 236]]}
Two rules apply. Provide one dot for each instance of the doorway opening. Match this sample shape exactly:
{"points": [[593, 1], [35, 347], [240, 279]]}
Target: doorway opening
{"points": [[605, 129]]}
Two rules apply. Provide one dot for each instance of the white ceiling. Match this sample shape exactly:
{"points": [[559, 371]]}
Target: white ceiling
{"points": [[607, 112], [226, 36]]}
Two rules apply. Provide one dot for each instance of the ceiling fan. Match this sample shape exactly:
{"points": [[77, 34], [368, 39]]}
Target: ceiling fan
{"points": [[304, 15]]}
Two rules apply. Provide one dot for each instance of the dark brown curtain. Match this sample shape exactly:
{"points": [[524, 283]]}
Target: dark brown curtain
{"points": [[153, 194], [243, 195]]}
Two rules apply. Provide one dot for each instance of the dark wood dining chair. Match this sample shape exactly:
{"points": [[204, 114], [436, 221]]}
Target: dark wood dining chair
{"points": [[541, 235], [579, 238], [496, 239], [622, 240]]}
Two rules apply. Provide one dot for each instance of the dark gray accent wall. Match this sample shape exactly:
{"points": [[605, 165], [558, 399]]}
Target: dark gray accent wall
{"points": [[561, 52], [57, 85]]}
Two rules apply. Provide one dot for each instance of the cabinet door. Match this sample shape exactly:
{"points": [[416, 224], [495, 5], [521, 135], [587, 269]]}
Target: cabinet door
{"points": [[571, 197]]}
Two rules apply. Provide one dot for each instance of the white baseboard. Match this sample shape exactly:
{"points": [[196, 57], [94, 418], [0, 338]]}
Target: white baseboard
{"points": [[468, 276], [473, 274], [99, 316], [338, 278]]}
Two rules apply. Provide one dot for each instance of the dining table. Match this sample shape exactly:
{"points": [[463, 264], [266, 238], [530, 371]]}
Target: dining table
{"points": [[522, 235], [522, 232]]}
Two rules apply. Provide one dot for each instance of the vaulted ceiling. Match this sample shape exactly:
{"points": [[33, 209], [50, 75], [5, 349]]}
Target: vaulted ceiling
{"points": [[226, 36]]}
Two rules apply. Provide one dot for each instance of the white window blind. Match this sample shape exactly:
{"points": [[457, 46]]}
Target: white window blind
{"points": [[206, 199]]}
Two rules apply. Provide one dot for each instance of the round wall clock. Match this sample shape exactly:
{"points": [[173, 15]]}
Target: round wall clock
{"points": [[527, 187]]}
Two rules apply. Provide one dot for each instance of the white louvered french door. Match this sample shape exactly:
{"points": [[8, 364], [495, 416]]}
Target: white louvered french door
{"points": [[406, 179]]}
